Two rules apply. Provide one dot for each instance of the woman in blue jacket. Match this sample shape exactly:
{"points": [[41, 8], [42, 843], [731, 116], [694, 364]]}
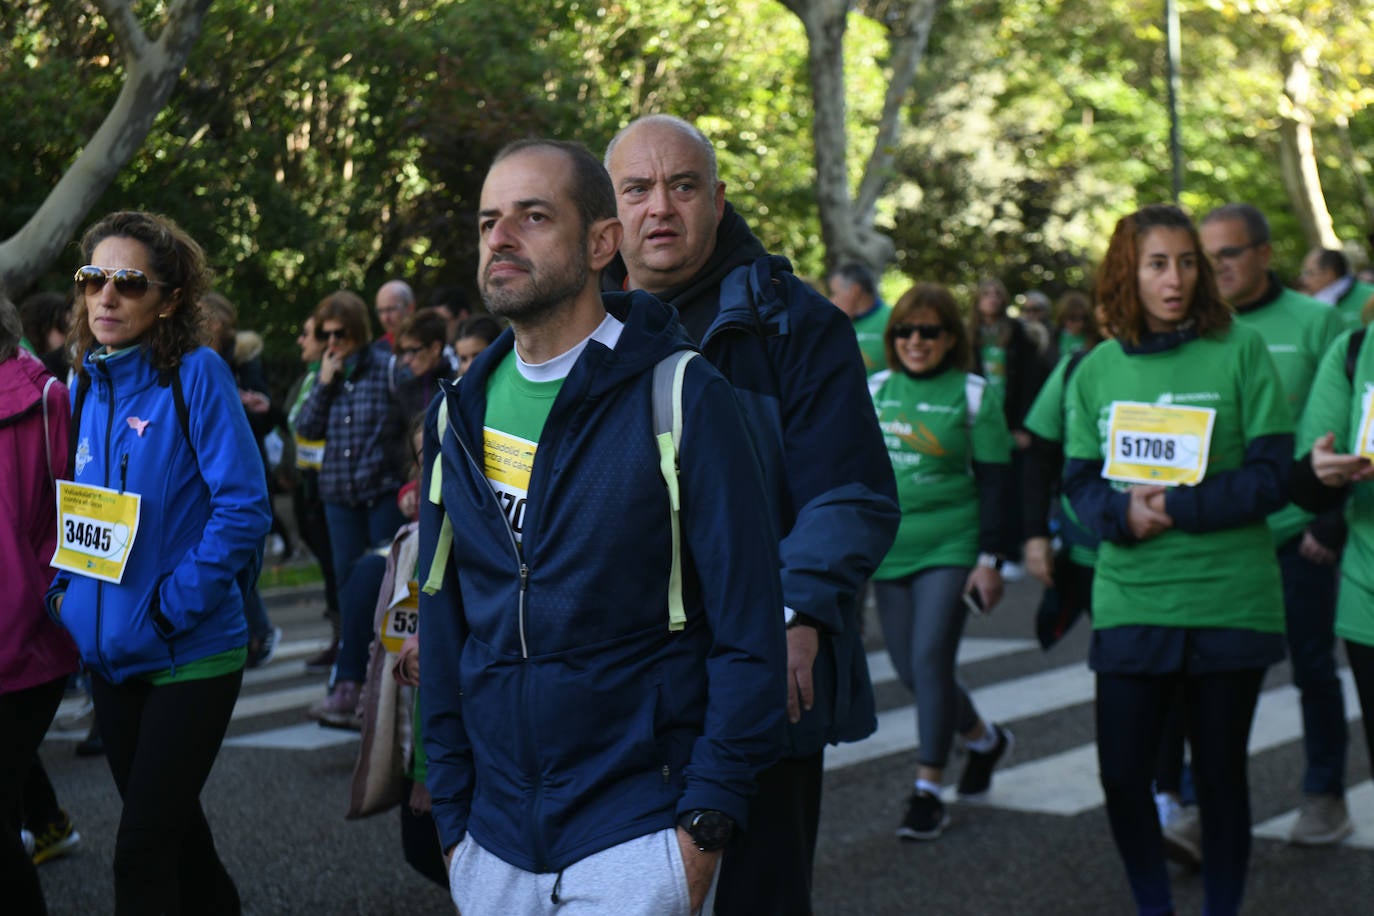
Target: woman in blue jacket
{"points": [[159, 533]]}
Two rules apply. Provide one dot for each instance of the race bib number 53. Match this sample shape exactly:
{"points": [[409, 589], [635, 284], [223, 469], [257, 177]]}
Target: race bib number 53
{"points": [[96, 527], [1157, 443], [402, 619]]}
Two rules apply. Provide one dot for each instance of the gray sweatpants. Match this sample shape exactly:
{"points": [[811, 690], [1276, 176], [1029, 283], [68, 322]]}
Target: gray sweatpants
{"points": [[640, 877], [923, 620]]}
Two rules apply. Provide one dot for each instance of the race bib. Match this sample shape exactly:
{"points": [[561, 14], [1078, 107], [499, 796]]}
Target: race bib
{"points": [[1158, 443], [507, 462], [96, 527], [1364, 445], [309, 453], [402, 619]]}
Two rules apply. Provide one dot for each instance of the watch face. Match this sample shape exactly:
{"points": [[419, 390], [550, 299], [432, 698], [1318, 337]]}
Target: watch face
{"points": [[711, 830]]}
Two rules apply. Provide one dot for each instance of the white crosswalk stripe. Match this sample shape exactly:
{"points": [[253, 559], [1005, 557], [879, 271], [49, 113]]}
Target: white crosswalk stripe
{"points": [[1064, 783]]}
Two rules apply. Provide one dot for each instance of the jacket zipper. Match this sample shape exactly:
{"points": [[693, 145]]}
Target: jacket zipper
{"points": [[524, 569], [99, 585]]}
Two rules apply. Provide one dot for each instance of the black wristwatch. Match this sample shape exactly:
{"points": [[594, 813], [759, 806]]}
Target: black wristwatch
{"points": [[709, 830]]}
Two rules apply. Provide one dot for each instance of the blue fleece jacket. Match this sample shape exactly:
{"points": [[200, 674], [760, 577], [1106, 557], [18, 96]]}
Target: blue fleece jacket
{"points": [[561, 715], [203, 515]]}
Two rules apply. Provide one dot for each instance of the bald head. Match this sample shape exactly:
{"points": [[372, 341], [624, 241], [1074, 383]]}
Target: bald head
{"points": [[395, 303], [669, 198]]}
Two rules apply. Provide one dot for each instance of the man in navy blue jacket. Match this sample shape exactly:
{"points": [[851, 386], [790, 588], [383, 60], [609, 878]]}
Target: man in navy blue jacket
{"points": [[589, 737], [795, 366]]}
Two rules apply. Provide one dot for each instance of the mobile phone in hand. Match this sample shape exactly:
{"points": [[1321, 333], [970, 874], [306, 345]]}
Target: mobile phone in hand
{"points": [[974, 601]]}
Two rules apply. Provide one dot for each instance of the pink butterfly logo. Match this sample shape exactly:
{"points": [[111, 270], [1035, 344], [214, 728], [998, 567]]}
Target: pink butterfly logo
{"points": [[138, 425]]}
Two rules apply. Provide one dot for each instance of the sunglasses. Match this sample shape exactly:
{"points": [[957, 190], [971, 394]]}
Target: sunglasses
{"points": [[923, 331], [127, 281], [322, 334]]}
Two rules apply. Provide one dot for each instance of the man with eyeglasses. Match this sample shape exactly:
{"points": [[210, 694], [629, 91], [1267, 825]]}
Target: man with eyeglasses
{"points": [[1298, 331], [793, 360], [395, 303], [1326, 277]]}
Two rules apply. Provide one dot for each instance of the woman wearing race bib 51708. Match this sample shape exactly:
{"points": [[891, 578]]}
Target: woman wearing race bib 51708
{"points": [[166, 509], [1179, 440]]}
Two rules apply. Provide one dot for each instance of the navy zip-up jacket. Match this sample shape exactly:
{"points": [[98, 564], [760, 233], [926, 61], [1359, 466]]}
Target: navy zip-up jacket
{"points": [[794, 363], [561, 715]]}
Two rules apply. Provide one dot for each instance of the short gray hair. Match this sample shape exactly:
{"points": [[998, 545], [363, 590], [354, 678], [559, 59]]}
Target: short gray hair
{"points": [[1256, 226], [686, 128]]}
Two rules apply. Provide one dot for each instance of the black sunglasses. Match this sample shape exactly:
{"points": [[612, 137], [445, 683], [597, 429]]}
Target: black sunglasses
{"points": [[127, 281], [322, 335], [923, 331]]}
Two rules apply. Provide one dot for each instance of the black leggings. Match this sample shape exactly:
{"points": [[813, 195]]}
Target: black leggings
{"points": [[24, 719], [161, 743], [1218, 710]]}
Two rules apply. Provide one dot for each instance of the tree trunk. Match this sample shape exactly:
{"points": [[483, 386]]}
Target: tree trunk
{"points": [[1297, 156], [847, 223], [151, 72]]}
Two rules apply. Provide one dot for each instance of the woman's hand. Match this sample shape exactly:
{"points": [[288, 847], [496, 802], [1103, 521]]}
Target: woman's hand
{"points": [[987, 581], [1334, 469], [1146, 515], [1039, 559], [331, 364], [407, 670]]}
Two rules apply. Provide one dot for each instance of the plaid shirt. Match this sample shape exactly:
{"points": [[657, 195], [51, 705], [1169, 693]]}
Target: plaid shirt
{"points": [[358, 417]]}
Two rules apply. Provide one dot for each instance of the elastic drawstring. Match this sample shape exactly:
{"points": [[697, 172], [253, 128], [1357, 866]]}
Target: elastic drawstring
{"points": [[553, 897]]}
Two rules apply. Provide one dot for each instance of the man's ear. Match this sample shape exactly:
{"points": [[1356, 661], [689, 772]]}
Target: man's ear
{"points": [[603, 241], [720, 201]]}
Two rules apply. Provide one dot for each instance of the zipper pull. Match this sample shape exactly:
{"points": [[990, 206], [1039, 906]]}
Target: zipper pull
{"points": [[524, 577], [123, 471], [666, 774]]}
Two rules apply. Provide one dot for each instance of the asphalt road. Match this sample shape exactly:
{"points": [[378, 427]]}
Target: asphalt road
{"points": [[1039, 845]]}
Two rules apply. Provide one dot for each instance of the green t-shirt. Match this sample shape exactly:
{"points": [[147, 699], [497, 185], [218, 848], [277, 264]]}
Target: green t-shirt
{"points": [[869, 330], [1334, 407], [1046, 419], [1069, 344], [1352, 303], [201, 669], [517, 410], [993, 355], [932, 444], [1226, 578], [1297, 330]]}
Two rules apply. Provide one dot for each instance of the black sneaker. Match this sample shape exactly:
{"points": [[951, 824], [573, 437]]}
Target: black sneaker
{"points": [[977, 776], [926, 817], [91, 745]]}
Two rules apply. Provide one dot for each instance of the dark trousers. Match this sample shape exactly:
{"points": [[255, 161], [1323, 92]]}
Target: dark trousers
{"points": [[24, 718], [314, 529], [1309, 601], [1362, 667], [1218, 710], [420, 840], [768, 868], [161, 743], [40, 799]]}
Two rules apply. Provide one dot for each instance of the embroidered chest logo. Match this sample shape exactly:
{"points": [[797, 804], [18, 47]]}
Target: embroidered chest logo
{"points": [[138, 425], [83, 455]]}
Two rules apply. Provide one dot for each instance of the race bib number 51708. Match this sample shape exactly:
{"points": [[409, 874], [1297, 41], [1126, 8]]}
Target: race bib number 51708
{"points": [[1158, 443]]}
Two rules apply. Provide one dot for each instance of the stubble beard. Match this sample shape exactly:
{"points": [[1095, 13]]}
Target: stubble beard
{"points": [[543, 295]]}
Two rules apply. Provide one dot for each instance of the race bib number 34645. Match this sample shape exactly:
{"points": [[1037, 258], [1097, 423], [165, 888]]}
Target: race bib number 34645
{"points": [[1158, 443], [96, 527]]}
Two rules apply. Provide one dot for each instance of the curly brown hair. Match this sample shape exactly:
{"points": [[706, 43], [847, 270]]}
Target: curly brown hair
{"points": [[939, 300], [1118, 284], [175, 257]]}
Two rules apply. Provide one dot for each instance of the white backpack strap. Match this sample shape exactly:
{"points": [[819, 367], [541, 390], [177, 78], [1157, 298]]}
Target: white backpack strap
{"points": [[47, 437], [667, 402], [444, 546]]}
